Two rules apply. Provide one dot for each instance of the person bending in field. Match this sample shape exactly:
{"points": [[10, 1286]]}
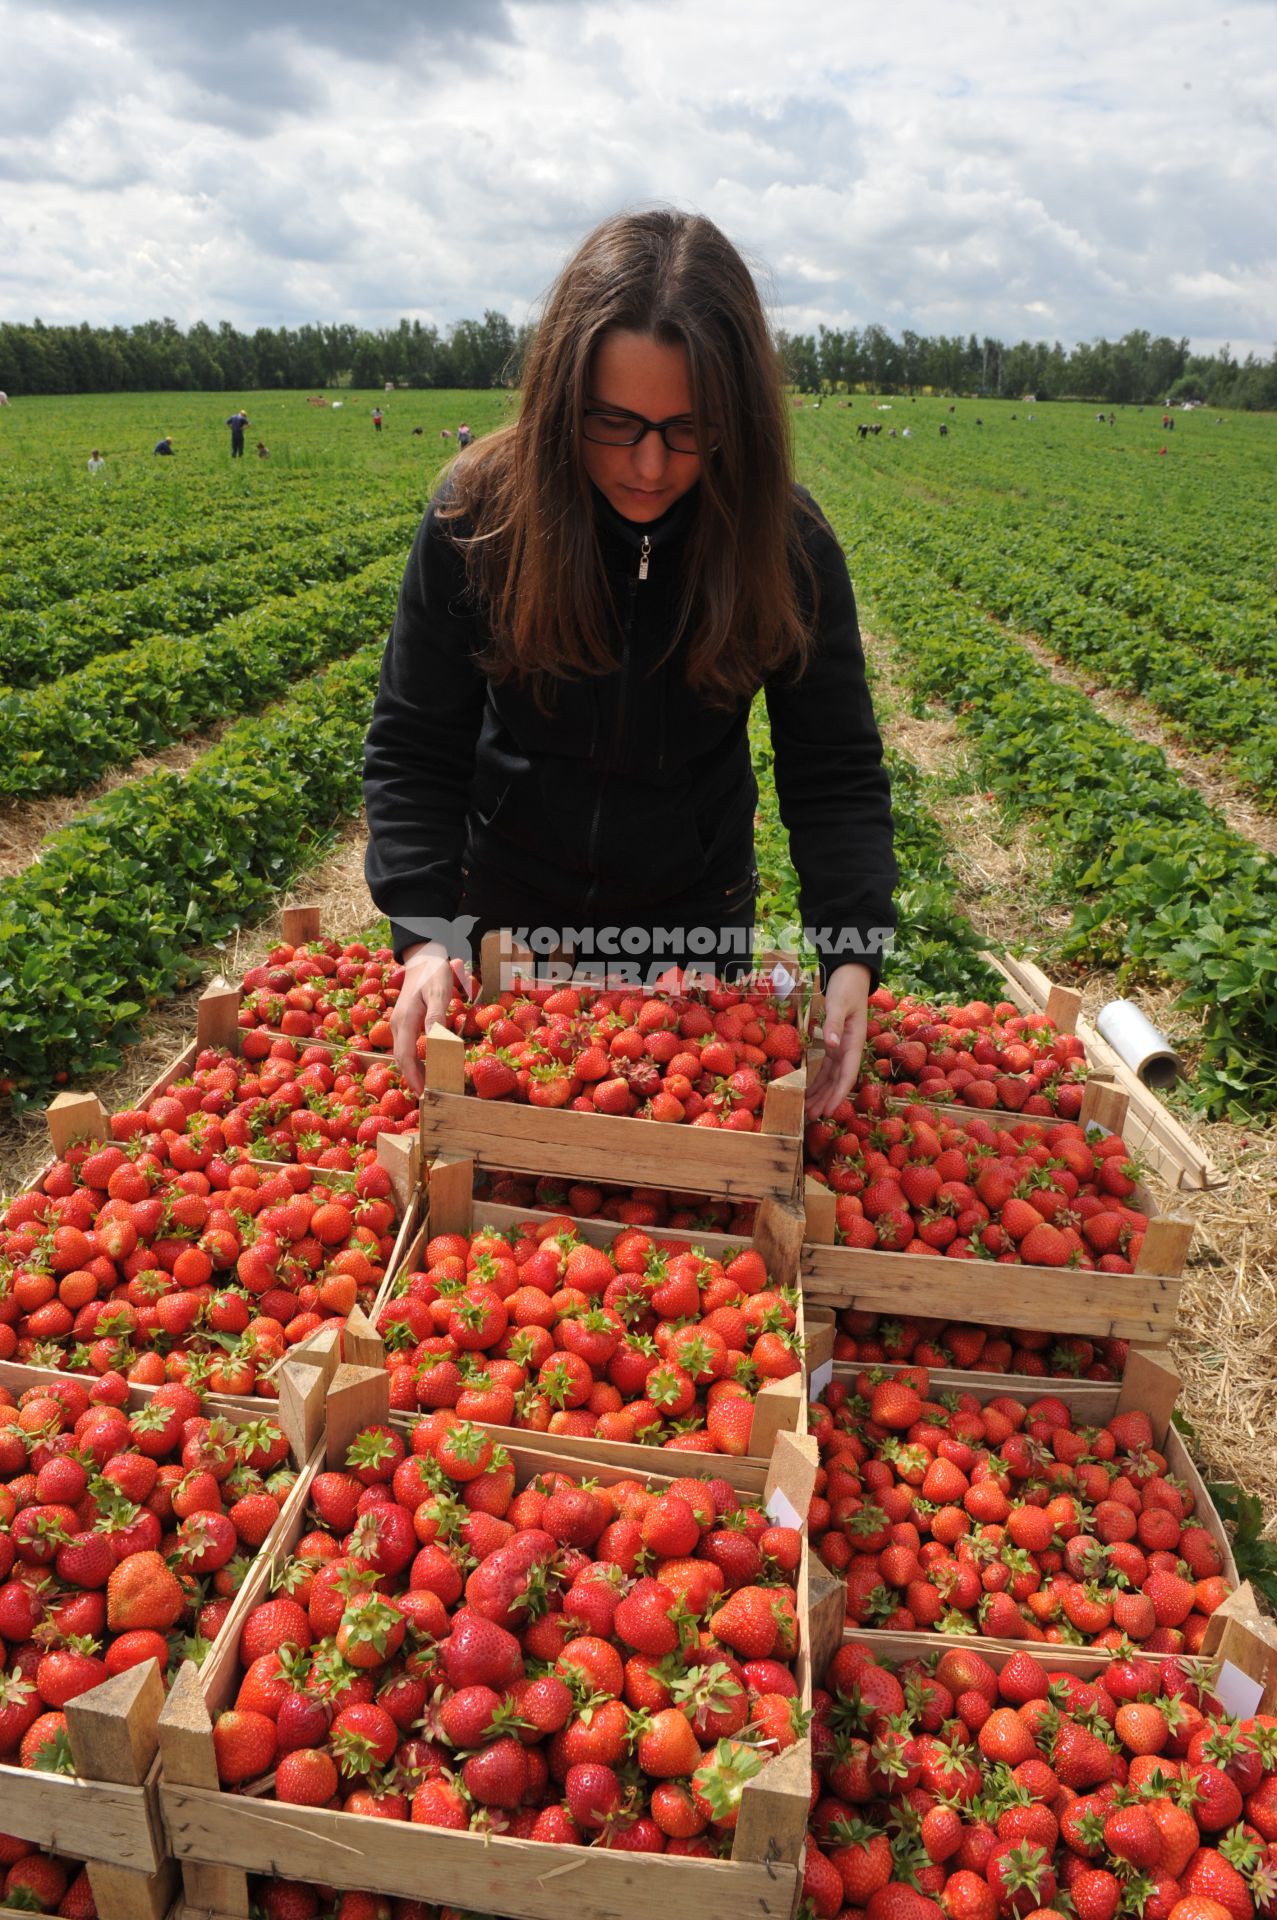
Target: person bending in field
{"points": [[165, 445], [596, 594]]}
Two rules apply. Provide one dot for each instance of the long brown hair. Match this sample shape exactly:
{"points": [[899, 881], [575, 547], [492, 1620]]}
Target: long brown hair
{"points": [[525, 499]]}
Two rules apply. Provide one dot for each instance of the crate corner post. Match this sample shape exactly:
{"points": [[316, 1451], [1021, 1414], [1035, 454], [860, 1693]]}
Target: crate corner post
{"points": [[75, 1116], [188, 1759], [217, 1014]]}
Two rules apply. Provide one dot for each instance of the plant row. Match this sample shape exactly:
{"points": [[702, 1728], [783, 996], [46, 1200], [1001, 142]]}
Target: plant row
{"points": [[59, 737], [42, 646], [1181, 678], [936, 948], [118, 899], [1164, 890], [121, 539]]}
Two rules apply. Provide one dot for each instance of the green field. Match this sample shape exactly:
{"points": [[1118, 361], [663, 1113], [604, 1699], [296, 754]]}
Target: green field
{"points": [[143, 605]]}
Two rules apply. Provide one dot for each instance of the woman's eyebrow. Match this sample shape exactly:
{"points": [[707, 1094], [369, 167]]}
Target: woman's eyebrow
{"points": [[607, 407]]}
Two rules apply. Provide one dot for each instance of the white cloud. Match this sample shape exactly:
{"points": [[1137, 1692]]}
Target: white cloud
{"points": [[942, 165]]}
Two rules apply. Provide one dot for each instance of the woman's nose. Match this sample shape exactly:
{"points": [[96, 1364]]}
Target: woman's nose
{"points": [[650, 455]]}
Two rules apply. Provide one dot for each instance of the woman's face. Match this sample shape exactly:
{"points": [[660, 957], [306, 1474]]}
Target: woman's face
{"points": [[634, 373]]}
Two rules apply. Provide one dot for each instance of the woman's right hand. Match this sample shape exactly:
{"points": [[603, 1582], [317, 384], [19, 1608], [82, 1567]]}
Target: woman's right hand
{"points": [[429, 983]]}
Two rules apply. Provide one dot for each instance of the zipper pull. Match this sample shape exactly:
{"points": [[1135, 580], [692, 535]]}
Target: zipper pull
{"points": [[645, 554]]}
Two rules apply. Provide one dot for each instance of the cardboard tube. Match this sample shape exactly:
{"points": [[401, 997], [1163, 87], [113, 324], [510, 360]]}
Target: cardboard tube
{"points": [[1137, 1042]]}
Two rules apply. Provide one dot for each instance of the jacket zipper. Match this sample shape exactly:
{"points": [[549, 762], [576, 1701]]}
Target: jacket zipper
{"points": [[645, 556]]}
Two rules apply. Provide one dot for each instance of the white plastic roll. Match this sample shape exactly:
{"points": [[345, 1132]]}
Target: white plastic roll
{"points": [[1137, 1042]]}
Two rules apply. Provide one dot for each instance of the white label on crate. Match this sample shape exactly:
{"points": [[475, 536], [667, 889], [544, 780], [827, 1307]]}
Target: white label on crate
{"points": [[820, 1378], [783, 981], [1236, 1692], [781, 1510]]}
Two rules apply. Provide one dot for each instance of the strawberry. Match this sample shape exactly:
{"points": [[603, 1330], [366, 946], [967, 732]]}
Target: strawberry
{"points": [[668, 1748], [497, 1776], [306, 1777], [244, 1744], [143, 1592]]}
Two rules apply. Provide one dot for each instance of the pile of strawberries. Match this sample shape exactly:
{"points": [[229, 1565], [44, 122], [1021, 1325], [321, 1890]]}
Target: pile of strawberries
{"points": [[325, 991], [871, 1339], [700, 1058], [164, 1259], [559, 1661], [630, 1206], [979, 1055], [955, 1791], [647, 1339], [36, 1882], [1040, 1195], [121, 1535], [1006, 1519], [278, 1100]]}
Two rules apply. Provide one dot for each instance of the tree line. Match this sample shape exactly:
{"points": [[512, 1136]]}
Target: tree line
{"points": [[158, 356], [1136, 369]]}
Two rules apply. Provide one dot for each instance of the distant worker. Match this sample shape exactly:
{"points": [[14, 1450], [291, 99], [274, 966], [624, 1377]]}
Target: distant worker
{"points": [[165, 445], [943, 429], [237, 423], [96, 462], [464, 435], [417, 430], [263, 451], [376, 418]]}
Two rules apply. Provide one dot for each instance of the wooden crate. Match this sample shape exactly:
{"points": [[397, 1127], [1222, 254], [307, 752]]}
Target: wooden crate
{"points": [[107, 1812], [1149, 1385], [599, 1146], [1155, 1135], [1142, 1306], [220, 1838], [81, 1116], [780, 1405]]}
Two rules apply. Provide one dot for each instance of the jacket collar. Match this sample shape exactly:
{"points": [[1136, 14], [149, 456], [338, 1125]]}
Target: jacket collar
{"points": [[671, 526]]}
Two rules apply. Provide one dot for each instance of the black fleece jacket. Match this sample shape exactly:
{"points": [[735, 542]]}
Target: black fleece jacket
{"points": [[632, 793]]}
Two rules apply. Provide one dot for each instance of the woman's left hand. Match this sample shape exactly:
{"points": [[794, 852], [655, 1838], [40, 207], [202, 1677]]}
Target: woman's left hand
{"points": [[846, 1021]]}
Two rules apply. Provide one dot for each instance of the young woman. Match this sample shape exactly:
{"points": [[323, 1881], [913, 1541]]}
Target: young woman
{"points": [[594, 597]]}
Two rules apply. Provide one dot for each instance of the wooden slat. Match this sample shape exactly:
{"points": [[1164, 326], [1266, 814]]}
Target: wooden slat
{"points": [[600, 1146], [1142, 1307], [66, 1815], [523, 1878]]}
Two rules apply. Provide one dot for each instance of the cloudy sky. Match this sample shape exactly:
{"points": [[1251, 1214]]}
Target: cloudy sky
{"points": [[1042, 170]]}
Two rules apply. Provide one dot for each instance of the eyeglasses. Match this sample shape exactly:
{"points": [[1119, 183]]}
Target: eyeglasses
{"points": [[613, 427]]}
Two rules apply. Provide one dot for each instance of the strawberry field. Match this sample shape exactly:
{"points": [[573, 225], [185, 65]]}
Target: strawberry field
{"points": [[849, 1553]]}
